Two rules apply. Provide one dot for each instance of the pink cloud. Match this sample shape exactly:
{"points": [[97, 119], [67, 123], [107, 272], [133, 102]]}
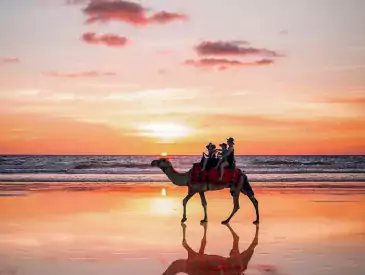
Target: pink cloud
{"points": [[88, 74], [9, 60], [111, 40], [126, 11], [231, 48], [284, 32], [163, 17], [129, 12], [223, 64], [164, 51]]}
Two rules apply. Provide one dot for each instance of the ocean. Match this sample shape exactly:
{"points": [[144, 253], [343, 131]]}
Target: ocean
{"points": [[137, 169]]}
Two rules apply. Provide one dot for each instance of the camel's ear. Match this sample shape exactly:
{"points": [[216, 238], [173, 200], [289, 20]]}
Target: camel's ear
{"points": [[165, 160]]}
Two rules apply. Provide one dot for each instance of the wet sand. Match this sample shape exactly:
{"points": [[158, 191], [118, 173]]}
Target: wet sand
{"points": [[137, 230]]}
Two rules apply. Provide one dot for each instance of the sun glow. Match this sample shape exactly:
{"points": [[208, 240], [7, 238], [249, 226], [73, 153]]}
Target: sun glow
{"points": [[164, 130]]}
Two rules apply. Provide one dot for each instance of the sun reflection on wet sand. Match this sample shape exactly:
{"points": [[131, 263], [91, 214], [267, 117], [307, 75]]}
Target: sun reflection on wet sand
{"points": [[162, 205]]}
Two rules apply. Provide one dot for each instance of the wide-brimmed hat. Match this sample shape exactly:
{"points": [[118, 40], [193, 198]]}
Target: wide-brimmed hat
{"points": [[223, 144], [230, 140], [210, 145]]}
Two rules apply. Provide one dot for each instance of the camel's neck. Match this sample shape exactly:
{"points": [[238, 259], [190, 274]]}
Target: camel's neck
{"points": [[179, 179]]}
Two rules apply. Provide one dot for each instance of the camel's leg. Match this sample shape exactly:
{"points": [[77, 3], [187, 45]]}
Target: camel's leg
{"points": [[234, 255], [249, 193], [235, 250], [256, 205], [204, 203], [191, 252], [204, 240], [247, 254], [185, 201], [236, 206], [183, 226]]}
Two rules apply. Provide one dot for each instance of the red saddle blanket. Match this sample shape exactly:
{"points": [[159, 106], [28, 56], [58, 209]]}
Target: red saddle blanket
{"points": [[212, 175]]}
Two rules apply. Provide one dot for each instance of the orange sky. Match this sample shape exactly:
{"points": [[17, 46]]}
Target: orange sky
{"points": [[159, 76]]}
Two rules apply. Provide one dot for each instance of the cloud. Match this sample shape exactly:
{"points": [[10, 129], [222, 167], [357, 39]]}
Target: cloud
{"points": [[351, 102], [162, 72], [152, 96], [163, 17], [313, 125], [75, 2], [128, 12], [45, 134], [231, 48], [164, 51], [239, 49], [346, 100], [110, 40], [5, 60], [247, 120], [224, 64], [89, 74], [284, 32], [344, 67]]}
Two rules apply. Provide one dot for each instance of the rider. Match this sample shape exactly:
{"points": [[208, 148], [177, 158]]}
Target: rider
{"points": [[209, 160], [227, 158], [230, 153]]}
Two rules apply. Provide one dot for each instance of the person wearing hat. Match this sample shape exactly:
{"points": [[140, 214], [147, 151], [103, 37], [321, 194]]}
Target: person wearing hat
{"points": [[209, 159], [227, 156], [223, 151], [230, 153]]}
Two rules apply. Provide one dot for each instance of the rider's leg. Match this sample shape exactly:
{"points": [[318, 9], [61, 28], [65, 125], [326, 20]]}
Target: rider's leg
{"points": [[223, 165]]}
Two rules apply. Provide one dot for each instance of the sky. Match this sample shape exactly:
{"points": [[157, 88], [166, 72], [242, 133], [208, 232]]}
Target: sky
{"points": [[152, 76]]}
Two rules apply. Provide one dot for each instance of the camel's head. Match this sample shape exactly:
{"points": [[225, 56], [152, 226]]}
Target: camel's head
{"points": [[161, 163]]}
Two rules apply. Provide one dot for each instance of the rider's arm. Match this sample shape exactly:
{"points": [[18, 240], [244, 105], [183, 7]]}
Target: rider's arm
{"points": [[229, 151]]}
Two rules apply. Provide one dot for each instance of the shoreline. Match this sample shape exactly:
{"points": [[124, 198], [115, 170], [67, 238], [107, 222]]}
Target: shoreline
{"points": [[258, 187]]}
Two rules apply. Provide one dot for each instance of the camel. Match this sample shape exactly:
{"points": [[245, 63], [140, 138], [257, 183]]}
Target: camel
{"points": [[183, 179], [201, 263]]}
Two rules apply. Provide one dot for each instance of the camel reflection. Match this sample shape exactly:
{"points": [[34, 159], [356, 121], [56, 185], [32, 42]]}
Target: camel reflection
{"points": [[199, 263]]}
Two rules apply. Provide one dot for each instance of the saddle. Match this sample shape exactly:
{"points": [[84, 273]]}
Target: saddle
{"points": [[212, 175]]}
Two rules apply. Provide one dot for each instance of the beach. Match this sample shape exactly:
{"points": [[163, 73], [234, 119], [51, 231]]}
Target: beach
{"points": [[136, 229]]}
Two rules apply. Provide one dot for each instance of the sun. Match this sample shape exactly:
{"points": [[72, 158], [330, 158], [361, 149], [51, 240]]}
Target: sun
{"points": [[163, 154], [164, 130]]}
